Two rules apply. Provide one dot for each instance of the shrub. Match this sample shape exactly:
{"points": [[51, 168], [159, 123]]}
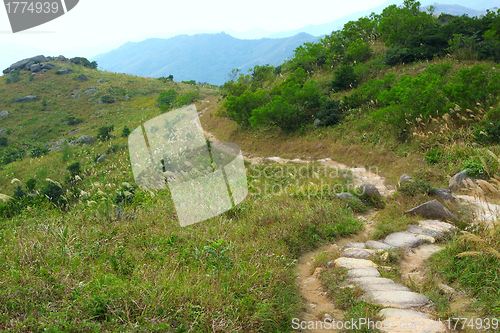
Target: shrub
{"points": [[74, 169], [433, 156], [38, 152], [125, 132], [84, 62], [475, 167], [107, 99], [31, 185], [166, 98], [345, 78], [3, 141], [125, 195], [330, 113], [415, 187], [19, 193], [73, 121], [53, 192], [188, 98], [103, 132]]}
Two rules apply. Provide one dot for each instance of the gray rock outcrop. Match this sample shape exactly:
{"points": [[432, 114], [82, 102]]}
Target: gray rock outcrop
{"points": [[90, 91], [84, 139], [29, 98], [458, 181], [368, 190], [2, 131], [432, 210], [444, 194], [35, 68], [64, 71], [22, 63], [4, 114], [81, 77], [101, 158], [404, 179]]}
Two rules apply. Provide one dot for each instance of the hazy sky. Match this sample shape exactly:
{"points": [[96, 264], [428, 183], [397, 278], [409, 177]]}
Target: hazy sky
{"points": [[96, 22]]}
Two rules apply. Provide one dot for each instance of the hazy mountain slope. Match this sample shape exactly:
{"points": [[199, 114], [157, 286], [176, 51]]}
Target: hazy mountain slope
{"points": [[204, 57]]}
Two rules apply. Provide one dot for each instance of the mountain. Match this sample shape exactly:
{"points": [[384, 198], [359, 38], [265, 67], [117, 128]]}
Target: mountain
{"points": [[202, 57]]}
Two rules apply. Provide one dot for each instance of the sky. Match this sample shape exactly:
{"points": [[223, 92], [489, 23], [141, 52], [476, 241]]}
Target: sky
{"points": [[94, 25]]}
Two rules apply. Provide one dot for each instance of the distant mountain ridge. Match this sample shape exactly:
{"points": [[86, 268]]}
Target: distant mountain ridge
{"points": [[203, 57]]}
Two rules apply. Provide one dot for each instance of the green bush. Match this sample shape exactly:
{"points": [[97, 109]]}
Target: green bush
{"points": [[188, 98], [166, 98], [84, 62], [125, 132], [475, 167], [54, 193], [416, 187], [19, 193], [74, 169], [103, 132], [31, 185], [330, 113], [3, 141], [434, 156], [107, 99], [73, 120], [345, 78], [38, 152]]}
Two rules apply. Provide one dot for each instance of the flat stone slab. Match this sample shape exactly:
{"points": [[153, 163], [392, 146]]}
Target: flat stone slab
{"points": [[352, 245], [357, 253], [437, 225], [415, 229], [384, 287], [427, 239], [363, 272], [370, 280], [377, 245], [403, 239], [396, 299], [404, 321], [352, 263]]}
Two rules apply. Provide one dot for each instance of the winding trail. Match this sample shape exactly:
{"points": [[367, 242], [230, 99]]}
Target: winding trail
{"points": [[401, 305]]}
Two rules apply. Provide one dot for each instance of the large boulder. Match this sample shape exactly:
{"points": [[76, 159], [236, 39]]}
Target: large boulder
{"points": [[23, 63], [29, 98], [90, 91], [459, 180], [28, 65], [432, 210], [84, 139], [64, 71], [35, 68], [368, 190], [81, 77], [48, 66], [444, 194]]}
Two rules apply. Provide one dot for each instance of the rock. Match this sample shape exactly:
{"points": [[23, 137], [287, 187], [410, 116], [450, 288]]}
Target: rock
{"points": [[427, 239], [75, 91], [348, 196], [403, 321], [64, 71], [444, 194], [100, 81], [51, 150], [396, 299], [403, 239], [48, 66], [35, 68], [99, 102], [28, 98], [101, 158], [363, 272], [28, 65], [353, 245], [2, 131], [383, 287], [446, 289], [73, 96], [273, 159], [81, 77], [357, 253], [126, 98], [90, 91], [62, 58], [351, 263], [404, 179], [368, 190], [317, 122], [377, 245], [73, 132], [370, 280], [4, 114], [84, 139], [23, 63], [458, 181], [432, 210]]}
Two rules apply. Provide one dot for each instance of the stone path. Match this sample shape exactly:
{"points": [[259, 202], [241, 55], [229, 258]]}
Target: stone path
{"points": [[402, 307]]}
